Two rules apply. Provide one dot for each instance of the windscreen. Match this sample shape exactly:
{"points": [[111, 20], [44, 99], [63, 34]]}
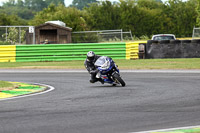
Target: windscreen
{"points": [[100, 61]]}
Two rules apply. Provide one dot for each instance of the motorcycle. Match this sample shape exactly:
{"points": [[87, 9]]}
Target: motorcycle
{"points": [[108, 71]]}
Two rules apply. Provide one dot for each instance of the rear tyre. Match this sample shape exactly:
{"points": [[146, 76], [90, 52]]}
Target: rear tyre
{"points": [[118, 79]]}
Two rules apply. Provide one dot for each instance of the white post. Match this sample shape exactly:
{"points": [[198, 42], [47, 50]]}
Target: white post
{"points": [[121, 35], [34, 35], [131, 35], [19, 35], [6, 33], [193, 33]]}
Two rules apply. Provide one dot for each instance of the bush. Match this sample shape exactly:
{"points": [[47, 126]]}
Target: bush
{"points": [[143, 37], [85, 38], [5, 43]]}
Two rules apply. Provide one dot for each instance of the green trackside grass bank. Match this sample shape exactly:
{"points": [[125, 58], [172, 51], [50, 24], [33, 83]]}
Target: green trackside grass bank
{"points": [[6, 85], [17, 89], [180, 63]]}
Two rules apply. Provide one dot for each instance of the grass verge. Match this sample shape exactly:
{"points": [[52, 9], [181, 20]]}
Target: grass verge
{"points": [[5, 85], [180, 63]]}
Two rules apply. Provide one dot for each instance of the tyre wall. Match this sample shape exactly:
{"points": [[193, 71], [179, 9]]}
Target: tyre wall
{"points": [[133, 49], [173, 49]]}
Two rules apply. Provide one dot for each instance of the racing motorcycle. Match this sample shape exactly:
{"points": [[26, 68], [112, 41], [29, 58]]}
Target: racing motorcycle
{"points": [[108, 71]]}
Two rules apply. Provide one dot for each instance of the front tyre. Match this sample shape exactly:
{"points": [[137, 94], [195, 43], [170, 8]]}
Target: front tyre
{"points": [[118, 79]]}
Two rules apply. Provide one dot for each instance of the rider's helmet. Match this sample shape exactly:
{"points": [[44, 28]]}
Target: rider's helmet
{"points": [[90, 55]]}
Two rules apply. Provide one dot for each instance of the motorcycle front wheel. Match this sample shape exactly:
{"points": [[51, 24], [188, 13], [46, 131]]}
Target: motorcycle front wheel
{"points": [[118, 79]]}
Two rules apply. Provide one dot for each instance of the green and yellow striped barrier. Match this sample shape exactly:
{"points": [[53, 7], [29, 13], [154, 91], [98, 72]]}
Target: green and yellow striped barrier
{"points": [[65, 52], [132, 49], [7, 53]]}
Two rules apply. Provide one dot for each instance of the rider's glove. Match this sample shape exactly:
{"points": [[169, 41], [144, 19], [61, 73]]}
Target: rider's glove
{"points": [[94, 71]]}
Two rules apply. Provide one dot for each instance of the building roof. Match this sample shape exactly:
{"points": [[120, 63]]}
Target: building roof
{"points": [[54, 25]]}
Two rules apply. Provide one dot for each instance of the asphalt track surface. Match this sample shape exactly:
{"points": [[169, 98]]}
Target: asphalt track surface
{"points": [[150, 101]]}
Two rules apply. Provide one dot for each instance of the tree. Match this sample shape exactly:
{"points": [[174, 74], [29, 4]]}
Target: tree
{"points": [[73, 17], [150, 4], [103, 16], [80, 4], [142, 17], [4, 20], [9, 3], [26, 8], [152, 19], [198, 13], [159, 1], [36, 5], [13, 35], [18, 10], [20, 3], [182, 16], [11, 20], [56, 2]]}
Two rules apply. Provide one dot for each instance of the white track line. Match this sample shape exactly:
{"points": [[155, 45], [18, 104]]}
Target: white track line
{"points": [[170, 129], [33, 94]]}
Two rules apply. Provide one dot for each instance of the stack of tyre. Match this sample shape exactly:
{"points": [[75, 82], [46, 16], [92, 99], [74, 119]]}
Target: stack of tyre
{"points": [[173, 48]]}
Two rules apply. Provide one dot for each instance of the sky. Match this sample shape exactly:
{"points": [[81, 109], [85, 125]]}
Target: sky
{"points": [[67, 2]]}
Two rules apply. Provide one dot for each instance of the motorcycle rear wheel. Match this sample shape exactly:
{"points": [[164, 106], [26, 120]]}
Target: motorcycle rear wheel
{"points": [[118, 79]]}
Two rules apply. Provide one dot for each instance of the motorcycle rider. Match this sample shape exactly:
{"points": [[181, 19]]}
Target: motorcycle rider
{"points": [[89, 65]]}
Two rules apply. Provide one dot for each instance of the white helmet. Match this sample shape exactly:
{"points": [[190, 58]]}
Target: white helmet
{"points": [[90, 55]]}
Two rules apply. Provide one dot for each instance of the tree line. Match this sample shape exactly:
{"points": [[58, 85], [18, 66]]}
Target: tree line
{"points": [[142, 17]]}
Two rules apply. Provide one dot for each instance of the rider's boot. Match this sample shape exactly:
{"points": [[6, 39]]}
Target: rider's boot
{"points": [[101, 80], [95, 80]]}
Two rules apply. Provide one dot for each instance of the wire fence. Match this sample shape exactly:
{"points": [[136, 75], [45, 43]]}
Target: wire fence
{"points": [[15, 34], [101, 36], [196, 33]]}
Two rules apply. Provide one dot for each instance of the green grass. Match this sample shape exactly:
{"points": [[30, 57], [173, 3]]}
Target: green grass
{"points": [[180, 63], [183, 63], [5, 84]]}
